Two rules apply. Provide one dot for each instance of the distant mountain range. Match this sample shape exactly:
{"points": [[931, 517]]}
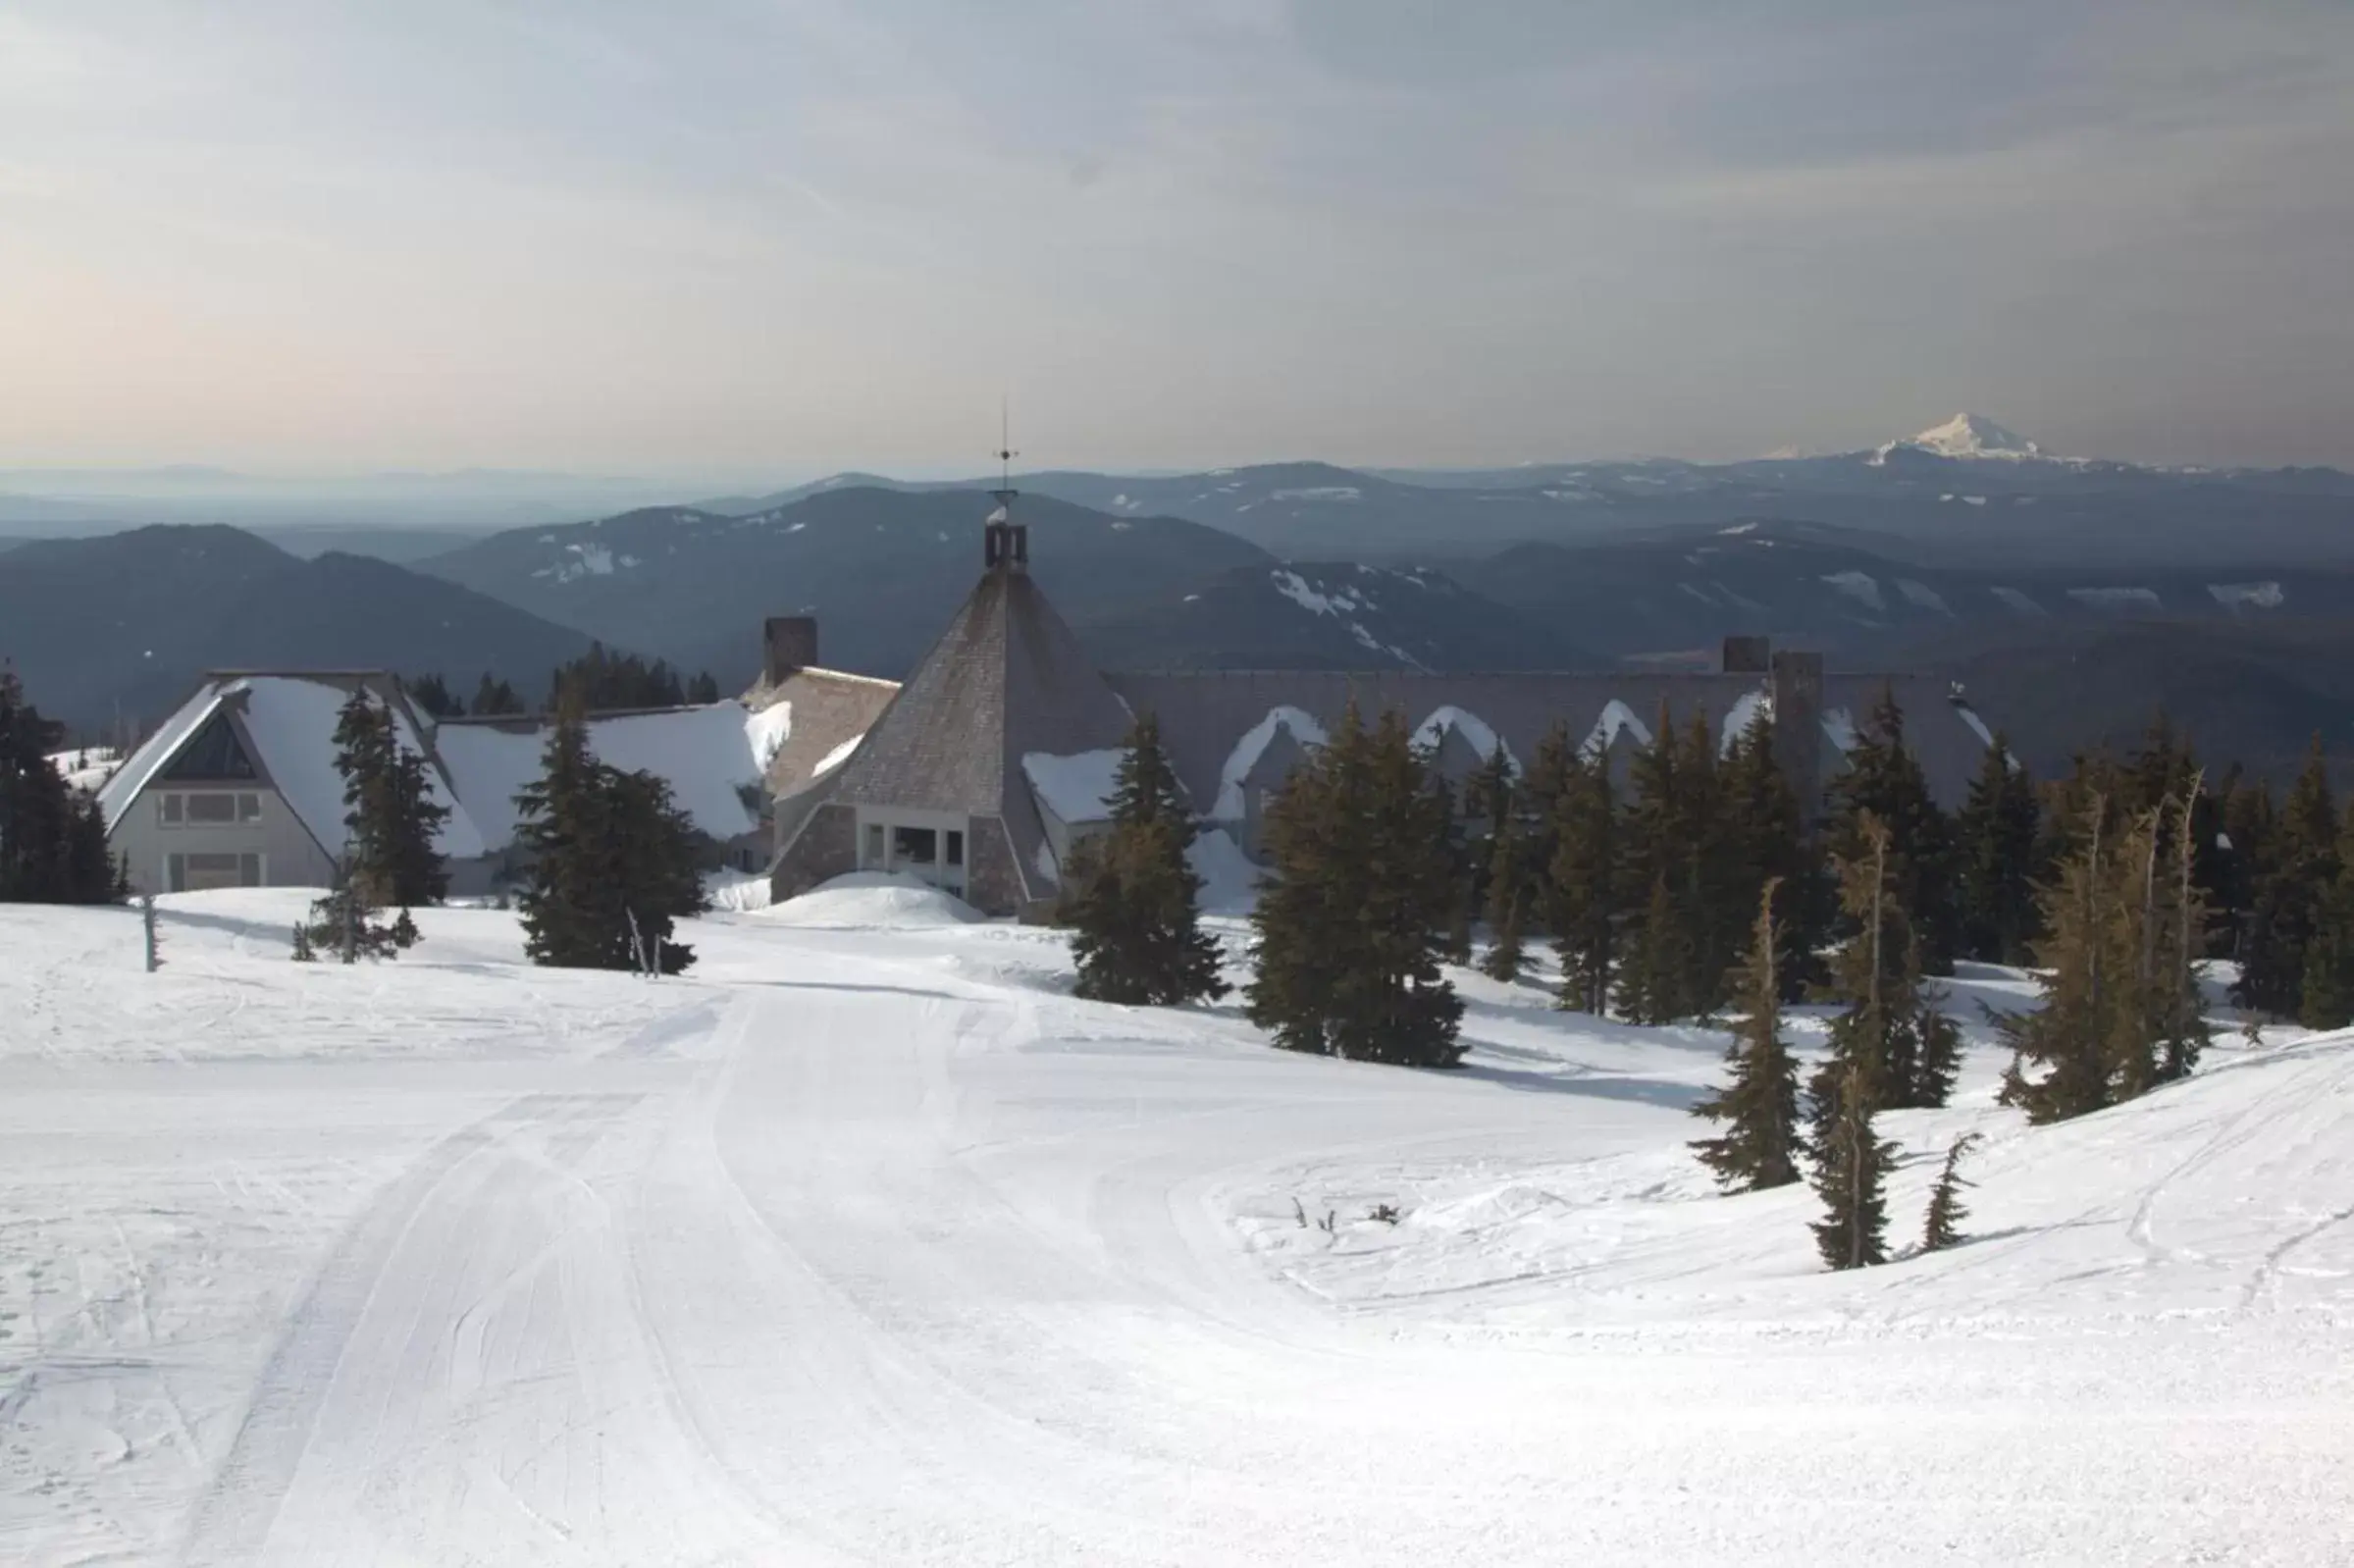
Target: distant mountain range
{"points": [[881, 569], [120, 627], [1967, 491], [1966, 548]]}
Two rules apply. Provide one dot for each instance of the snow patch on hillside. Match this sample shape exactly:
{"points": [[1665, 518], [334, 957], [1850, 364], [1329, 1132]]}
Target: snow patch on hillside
{"points": [[1920, 593], [2018, 602], [2247, 596], [1858, 586]]}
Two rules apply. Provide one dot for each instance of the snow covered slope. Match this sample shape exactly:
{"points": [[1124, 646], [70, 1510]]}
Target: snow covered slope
{"points": [[870, 1245]]}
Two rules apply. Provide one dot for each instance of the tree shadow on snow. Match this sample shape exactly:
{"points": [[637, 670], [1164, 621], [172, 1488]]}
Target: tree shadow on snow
{"points": [[1599, 1087]]}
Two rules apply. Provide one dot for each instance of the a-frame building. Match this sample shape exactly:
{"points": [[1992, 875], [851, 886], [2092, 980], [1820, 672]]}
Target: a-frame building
{"points": [[963, 780]]}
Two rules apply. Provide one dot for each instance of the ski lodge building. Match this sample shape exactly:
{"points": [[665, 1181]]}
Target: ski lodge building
{"points": [[978, 773], [997, 751]]}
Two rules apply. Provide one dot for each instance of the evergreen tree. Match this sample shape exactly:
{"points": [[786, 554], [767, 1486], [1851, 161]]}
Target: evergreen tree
{"points": [[1892, 1029], [496, 697], [1851, 1174], [2177, 1008], [614, 859], [1996, 838], [1451, 845], [606, 680], [1583, 889], [703, 690], [53, 847], [1131, 893], [655, 864], [2325, 996], [1760, 837], [344, 923], [1884, 778], [1506, 894], [390, 815], [2300, 864], [1761, 1146], [572, 916], [1666, 949], [433, 696], [1349, 926], [2084, 980], [1941, 1227]]}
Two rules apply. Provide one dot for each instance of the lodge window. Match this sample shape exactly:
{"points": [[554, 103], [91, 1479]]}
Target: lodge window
{"points": [[914, 846], [956, 847], [195, 873], [208, 808]]}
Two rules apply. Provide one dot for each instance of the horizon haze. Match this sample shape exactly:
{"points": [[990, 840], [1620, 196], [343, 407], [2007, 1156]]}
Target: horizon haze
{"points": [[809, 237]]}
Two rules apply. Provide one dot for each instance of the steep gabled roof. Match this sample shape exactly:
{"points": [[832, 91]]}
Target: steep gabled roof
{"points": [[1007, 678], [288, 720]]}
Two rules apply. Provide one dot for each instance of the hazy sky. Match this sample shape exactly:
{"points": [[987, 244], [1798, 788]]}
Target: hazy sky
{"points": [[770, 235]]}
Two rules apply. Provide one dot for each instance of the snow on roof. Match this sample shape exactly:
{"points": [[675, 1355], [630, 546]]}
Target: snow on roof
{"points": [[131, 777], [704, 753], [1839, 726], [1615, 718], [1246, 752], [292, 722], [838, 756], [1076, 789], [1473, 729], [1746, 710], [768, 730]]}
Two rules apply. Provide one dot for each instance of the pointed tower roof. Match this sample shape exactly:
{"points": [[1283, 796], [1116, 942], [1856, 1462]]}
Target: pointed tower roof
{"points": [[1007, 678]]}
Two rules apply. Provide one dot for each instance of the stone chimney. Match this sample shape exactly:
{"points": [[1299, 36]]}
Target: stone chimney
{"points": [[1798, 694], [788, 644], [1748, 655]]}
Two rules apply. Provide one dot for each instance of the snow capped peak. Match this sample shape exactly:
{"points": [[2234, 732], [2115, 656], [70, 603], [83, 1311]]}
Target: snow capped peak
{"points": [[1975, 436], [1968, 435]]}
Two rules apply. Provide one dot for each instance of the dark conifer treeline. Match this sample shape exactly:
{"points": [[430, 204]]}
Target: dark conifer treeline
{"points": [[606, 680], [52, 837]]}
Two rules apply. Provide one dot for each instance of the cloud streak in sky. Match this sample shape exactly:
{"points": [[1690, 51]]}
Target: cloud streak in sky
{"points": [[731, 233]]}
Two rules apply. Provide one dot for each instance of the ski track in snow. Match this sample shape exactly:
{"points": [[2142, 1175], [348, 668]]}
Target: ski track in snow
{"points": [[865, 1245]]}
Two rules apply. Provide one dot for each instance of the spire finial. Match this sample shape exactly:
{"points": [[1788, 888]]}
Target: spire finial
{"points": [[1006, 543]]}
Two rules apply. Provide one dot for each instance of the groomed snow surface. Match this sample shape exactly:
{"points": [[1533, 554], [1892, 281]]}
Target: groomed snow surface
{"points": [[866, 1244]]}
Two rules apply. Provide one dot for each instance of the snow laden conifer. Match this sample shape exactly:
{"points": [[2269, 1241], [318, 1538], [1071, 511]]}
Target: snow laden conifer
{"points": [[1760, 1146], [1850, 1175], [1583, 888], [1350, 927], [1130, 897], [1941, 1227]]}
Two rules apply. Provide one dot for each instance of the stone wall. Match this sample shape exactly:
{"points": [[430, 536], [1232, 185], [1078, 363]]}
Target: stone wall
{"points": [[826, 848], [992, 884]]}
